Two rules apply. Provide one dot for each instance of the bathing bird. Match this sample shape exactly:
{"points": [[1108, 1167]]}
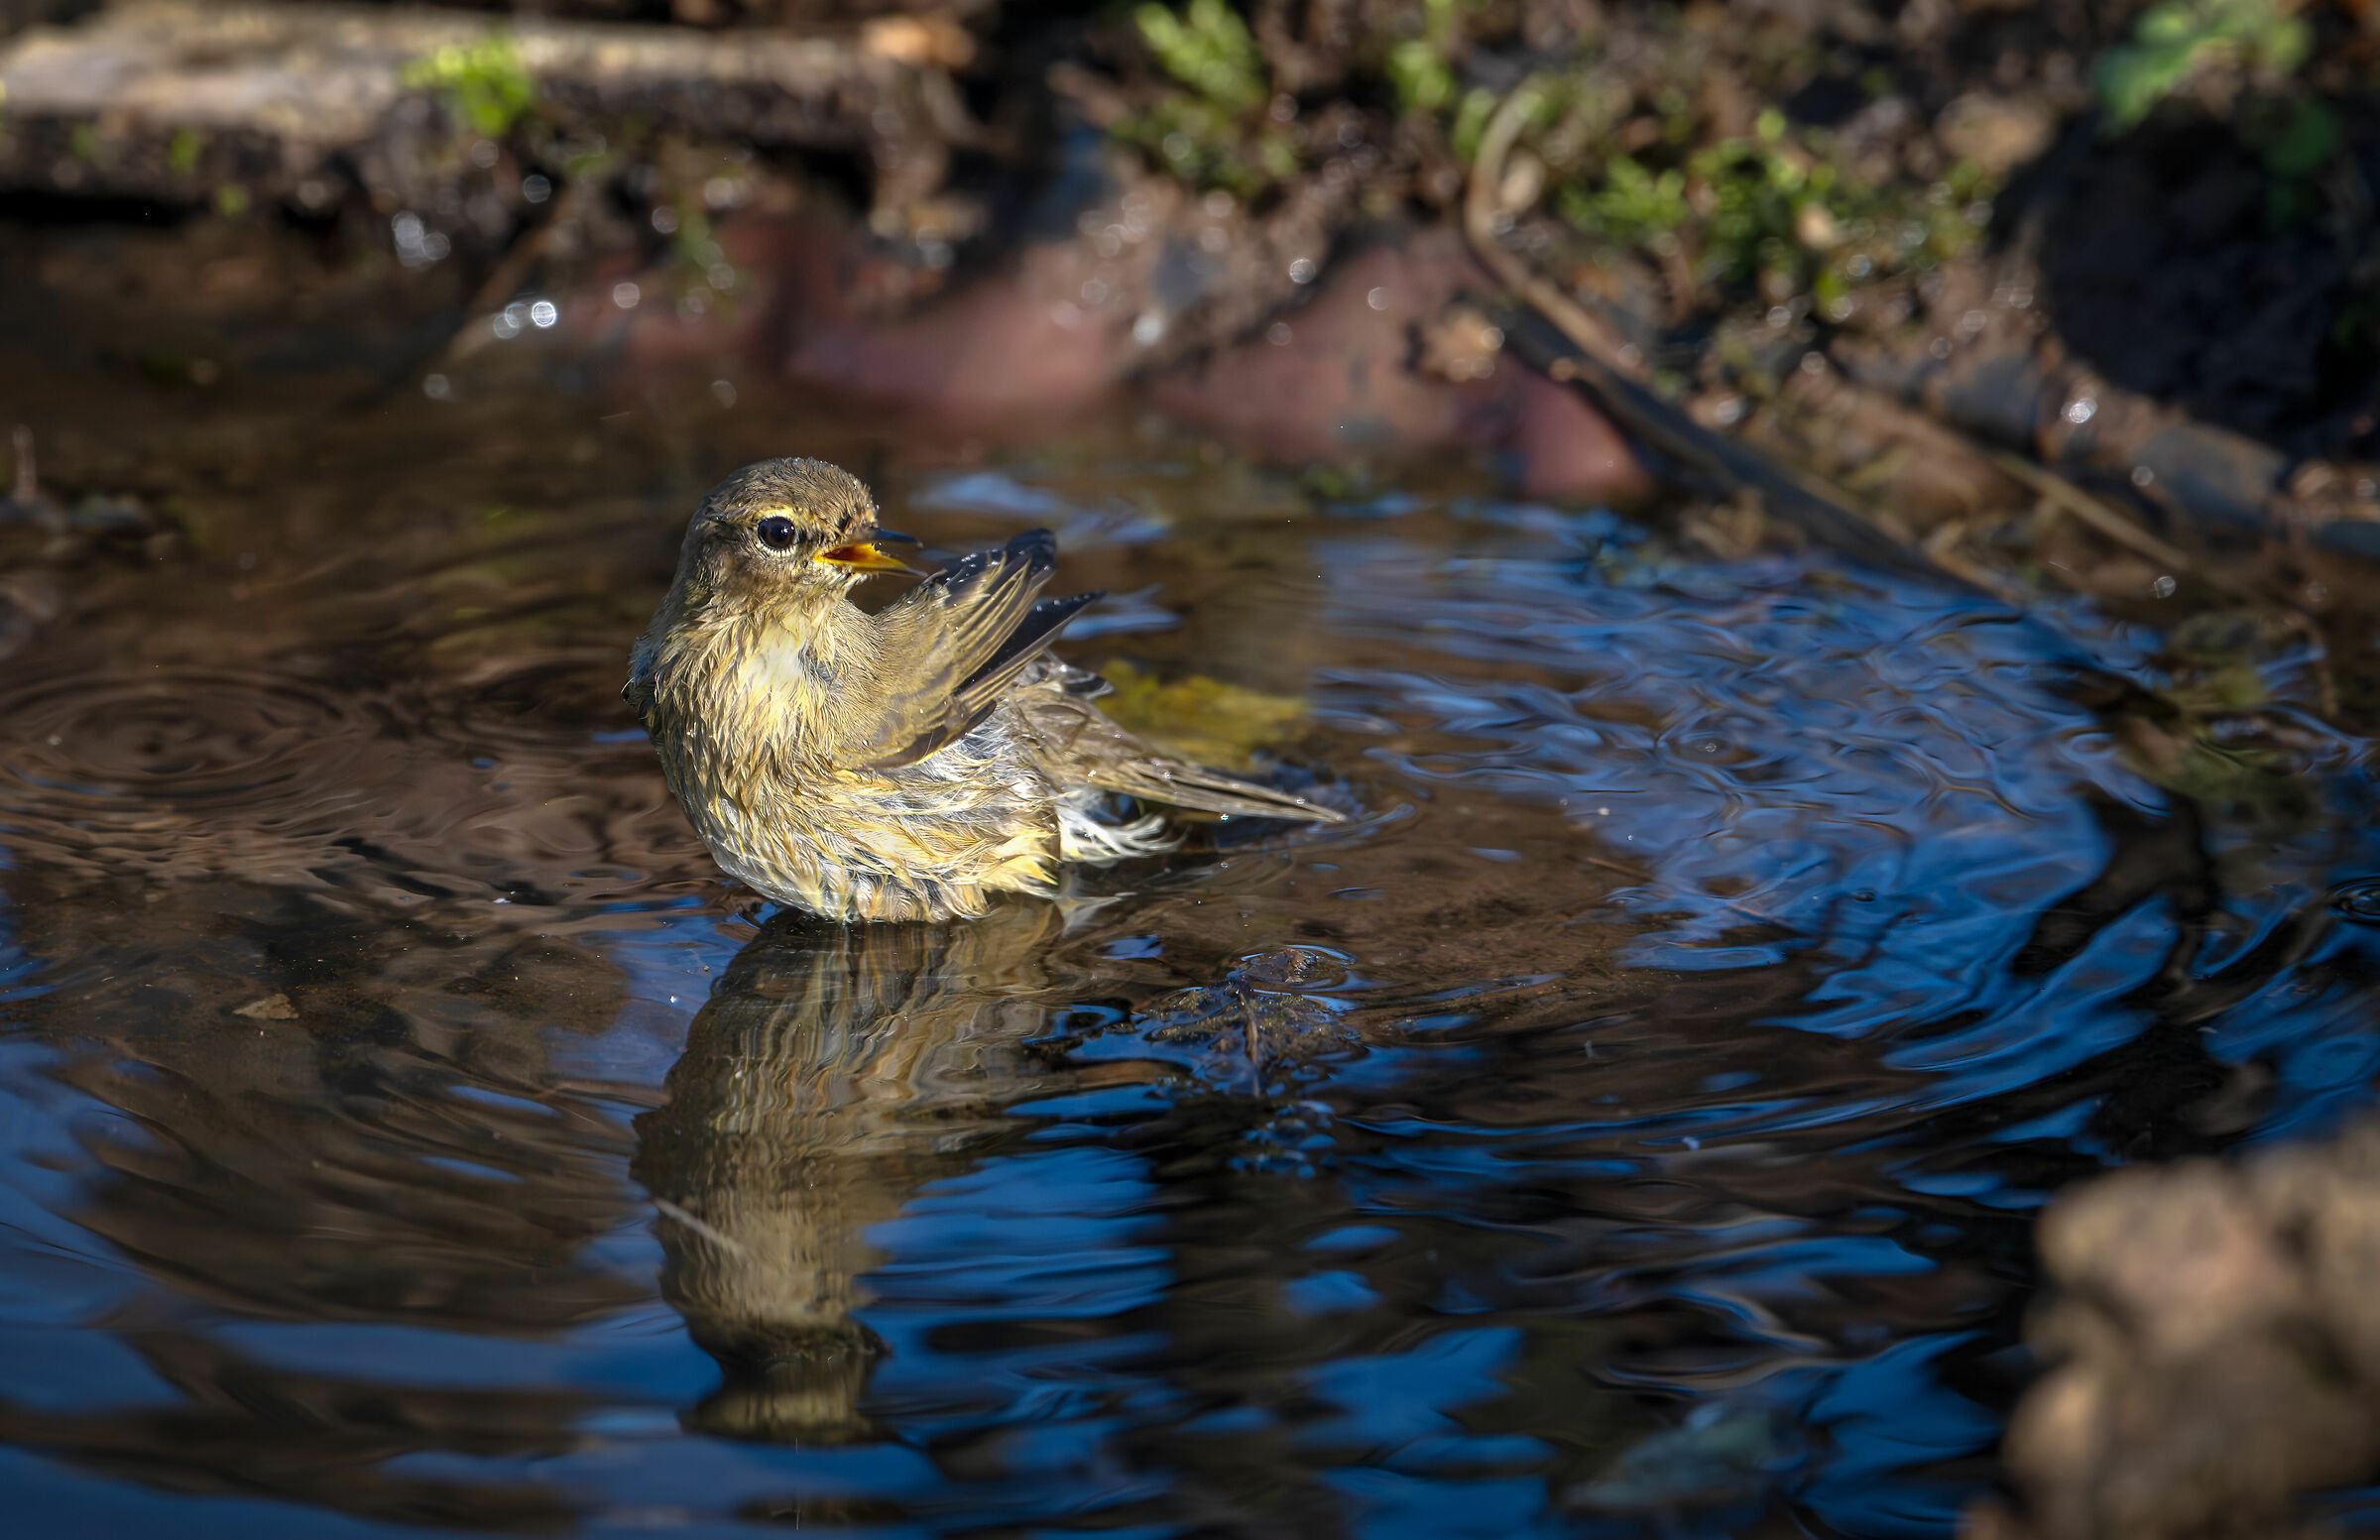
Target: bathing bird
{"points": [[908, 764]]}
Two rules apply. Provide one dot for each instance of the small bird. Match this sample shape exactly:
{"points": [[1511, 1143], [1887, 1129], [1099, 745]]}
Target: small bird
{"points": [[908, 764]]}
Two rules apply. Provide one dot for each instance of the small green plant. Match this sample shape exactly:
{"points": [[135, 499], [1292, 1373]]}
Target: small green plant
{"points": [[2176, 39], [2297, 138], [1773, 208], [1207, 49], [482, 84], [1419, 68], [1213, 132], [182, 154]]}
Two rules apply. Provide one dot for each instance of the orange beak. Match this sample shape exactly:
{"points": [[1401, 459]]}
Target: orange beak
{"points": [[863, 555]]}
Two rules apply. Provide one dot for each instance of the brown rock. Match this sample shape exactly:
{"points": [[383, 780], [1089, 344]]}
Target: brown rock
{"points": [[2215, 1333], [1997, 133], [1342, 375]]}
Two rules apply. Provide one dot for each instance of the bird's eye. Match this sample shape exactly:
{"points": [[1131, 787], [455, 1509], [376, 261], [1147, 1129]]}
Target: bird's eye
{"points": [[776, 534]]}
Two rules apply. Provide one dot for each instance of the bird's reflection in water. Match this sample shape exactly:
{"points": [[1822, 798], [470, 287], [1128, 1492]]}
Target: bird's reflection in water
{"points": [[836, 1070]]}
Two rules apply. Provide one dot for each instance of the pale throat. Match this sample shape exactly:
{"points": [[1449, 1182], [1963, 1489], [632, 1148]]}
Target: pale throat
{"points": [[800, 653]]}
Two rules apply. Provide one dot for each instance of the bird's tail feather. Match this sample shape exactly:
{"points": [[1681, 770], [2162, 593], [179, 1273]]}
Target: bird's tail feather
{"points": [[1213, 791]]}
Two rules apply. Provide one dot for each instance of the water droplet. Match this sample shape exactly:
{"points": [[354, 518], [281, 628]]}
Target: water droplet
{"points": [[2164, 587], [1301, 271], [536, 189], [1377, 299], [544, 313], [626, 295], [2080, 410]]}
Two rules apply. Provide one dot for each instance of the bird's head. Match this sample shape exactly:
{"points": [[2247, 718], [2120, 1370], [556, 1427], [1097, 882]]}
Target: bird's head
{"points": [[783, 532]]}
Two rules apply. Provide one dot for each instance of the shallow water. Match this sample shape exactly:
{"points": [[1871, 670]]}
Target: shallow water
{"points": [[1630, 1124]]}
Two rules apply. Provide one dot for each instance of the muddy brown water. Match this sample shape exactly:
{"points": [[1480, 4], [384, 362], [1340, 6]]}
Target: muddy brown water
{"points": [[1632, 1123]]}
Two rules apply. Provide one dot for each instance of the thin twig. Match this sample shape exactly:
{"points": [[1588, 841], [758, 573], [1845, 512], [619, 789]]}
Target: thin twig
{"points": [[1594, 336], [2118, 527], [1942, 549], [509, 274], [1611, 374], [2108, 521]]}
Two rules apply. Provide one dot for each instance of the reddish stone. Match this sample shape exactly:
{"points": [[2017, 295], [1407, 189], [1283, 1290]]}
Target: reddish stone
{"points": [[1344, 383], [998, 356]]}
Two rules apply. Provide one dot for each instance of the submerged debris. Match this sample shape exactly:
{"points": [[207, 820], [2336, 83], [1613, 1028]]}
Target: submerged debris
{"points": [[1720, 1454], [1205, 721]]}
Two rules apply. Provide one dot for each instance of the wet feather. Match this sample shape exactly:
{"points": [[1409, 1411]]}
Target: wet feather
{"points": [[908, 764]]}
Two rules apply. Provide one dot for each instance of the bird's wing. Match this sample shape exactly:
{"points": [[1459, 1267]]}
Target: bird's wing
{"points": [[950, 646]]}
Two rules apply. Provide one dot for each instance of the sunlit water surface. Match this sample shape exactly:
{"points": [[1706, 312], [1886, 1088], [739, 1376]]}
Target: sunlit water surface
{"points": [[1630, 1124]]}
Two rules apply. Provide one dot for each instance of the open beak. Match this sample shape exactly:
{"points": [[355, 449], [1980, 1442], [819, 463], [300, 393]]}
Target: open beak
{"points": [[868, 556]]}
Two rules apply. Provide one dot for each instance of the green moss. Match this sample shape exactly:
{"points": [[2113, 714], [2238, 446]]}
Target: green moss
{"points": [[1776, 209], [1208, 47], [182, 154], [1420, 69], [2175, 39], [1213, 132], [483, 86], [1627, 153]]}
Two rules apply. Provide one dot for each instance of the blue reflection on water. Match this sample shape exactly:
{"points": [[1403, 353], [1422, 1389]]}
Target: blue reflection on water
{"points": [[1732, 958]]}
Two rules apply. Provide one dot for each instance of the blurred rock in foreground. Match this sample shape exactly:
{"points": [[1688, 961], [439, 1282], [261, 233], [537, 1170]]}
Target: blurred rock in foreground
{"points": [[2216, 1348]]}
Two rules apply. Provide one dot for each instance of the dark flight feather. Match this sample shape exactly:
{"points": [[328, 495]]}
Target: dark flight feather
{"points": [[953, 643]]}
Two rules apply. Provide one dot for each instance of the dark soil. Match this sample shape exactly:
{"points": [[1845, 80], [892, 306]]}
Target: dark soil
{"points": [[2168, 270]]}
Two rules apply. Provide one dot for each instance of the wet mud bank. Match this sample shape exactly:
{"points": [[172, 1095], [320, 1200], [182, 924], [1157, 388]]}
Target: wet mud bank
{"points": [[1885, 248]]}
